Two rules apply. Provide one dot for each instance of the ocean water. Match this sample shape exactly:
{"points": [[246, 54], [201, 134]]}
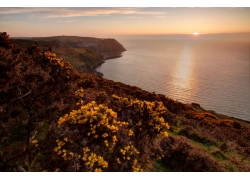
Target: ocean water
{"points": [[212, 70]]}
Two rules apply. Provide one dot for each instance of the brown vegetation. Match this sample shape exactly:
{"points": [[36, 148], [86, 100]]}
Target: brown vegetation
{"points": [[56, 118], [181, 155]]}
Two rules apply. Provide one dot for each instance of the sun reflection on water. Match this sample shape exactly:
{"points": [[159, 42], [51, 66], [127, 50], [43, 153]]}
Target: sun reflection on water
{"points": [[181, 87]]}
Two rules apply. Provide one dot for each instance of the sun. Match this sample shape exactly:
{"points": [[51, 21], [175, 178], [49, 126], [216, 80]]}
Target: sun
{"points": [[195, 33]]}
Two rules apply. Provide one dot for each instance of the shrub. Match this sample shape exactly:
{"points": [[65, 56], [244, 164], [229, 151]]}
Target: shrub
{"points": [[182, 155], [31, 93], [96, 138]]}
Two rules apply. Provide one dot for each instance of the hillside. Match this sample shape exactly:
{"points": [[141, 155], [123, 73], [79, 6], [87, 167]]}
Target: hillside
{"points": [[83, 53], [56, 118]]}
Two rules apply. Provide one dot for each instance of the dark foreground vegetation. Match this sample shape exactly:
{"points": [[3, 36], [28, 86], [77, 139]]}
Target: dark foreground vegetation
{"points": [[55, 118]]}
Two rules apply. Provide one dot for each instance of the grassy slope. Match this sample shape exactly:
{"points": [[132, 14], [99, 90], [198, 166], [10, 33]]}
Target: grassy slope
{"points": [[199, 140], [61, 48]]}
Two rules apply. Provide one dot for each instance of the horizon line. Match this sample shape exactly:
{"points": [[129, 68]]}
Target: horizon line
{"points": [[191, 33]]}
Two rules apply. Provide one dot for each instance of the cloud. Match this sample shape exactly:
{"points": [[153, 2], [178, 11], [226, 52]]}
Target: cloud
{"points": [[70, 21], [130, 17], [133, 17], [78, 12], [13, 10], [161, 17], [66, 21], [11, 22]]}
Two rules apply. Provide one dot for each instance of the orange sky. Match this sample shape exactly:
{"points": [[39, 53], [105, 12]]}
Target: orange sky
{"points": [[105, 22]]}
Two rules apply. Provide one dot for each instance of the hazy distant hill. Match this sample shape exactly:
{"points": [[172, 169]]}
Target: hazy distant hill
{"points": [[84, 53]]}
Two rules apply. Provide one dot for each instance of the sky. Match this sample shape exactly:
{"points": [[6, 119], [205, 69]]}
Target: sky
{"points": [[112, 21]]}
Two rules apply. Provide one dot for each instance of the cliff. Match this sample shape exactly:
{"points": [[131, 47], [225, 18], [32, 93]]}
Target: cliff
{"points": [[56, 118], [83, 53]]}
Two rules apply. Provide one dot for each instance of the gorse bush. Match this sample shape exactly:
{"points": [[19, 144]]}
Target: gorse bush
{"points": [[55, 118], [103, 133], [146, 118], [31, 94], [96, 138]]}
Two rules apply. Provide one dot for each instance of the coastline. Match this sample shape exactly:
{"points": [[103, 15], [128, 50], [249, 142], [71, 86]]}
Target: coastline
{"points": [[106, 56], [112, 55], [109, 49]]}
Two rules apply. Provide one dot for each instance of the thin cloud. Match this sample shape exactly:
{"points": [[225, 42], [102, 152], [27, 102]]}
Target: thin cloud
{"points": [[70, 21], [13, 10], [98, 12], [11, 22], [130, 17], [161, 17], [91, 21], [78, 12], [133, 17]]}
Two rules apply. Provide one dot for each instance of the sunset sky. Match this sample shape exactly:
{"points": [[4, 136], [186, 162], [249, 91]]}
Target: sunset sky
{"points": [[108, 21]]}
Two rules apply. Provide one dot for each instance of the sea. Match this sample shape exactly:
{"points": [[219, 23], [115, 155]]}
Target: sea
{"points": [[212, 70]]}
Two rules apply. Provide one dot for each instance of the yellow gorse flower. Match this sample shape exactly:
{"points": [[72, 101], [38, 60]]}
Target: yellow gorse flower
{"points": [[130, 132], [118, 160], [98, 170], [165, 134], [85, 150], [34, 141], [101, 121], [105, 135], [92, 160]]}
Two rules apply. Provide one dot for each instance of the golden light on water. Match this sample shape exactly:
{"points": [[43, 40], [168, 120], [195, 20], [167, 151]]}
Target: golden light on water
{"points": [[183, 81], [183, 68]]}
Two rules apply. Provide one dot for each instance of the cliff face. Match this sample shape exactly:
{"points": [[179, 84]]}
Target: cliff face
{"points": [[55, 118], [111, 45], [84, 53]]}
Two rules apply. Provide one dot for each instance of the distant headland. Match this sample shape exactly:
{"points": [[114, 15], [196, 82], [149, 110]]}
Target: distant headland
{"points": [[83, 53]]}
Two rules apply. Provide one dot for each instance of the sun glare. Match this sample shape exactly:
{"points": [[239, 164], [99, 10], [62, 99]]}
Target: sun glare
{"points": [[195, 33]]}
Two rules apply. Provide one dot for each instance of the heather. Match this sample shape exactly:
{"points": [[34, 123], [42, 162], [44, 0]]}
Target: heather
{"points": [[56, 118]]}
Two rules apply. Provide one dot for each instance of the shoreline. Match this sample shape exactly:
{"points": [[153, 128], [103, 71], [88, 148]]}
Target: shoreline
{"points": [[106, 56], [115, 55]]}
